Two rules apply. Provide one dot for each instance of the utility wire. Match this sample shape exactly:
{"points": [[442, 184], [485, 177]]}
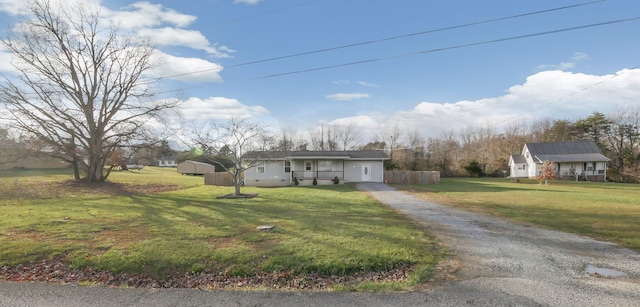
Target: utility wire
{"points": [[435, 50], [450, 48], [391, 38]]}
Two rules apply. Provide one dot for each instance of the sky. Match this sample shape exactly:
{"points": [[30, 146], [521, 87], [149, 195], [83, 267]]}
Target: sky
{"points": [[430, 66]]}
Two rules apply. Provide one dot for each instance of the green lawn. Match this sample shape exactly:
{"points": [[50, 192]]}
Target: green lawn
{"points": [[138, 227], [606, 211]]}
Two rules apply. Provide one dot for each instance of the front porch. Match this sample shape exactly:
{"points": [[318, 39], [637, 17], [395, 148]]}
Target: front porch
{"points": [[322, 177]]}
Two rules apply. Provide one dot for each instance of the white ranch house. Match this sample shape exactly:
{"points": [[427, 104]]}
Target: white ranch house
{"points": [[279, 168], [577, 160]]}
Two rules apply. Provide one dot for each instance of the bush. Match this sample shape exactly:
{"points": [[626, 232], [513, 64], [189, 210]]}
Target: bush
{"points": [[295, 181], [315, 181], [474, 169], [336, 180]]}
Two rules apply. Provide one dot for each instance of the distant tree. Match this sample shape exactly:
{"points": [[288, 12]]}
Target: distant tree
{"points": [[474, 169], [594, 127], [547, 172], [80, 87], [623, 140], [348, 136], [374, 145]]}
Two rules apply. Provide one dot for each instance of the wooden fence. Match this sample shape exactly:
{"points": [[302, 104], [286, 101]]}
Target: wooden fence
{"points": [[407, 177], [219, 179]]}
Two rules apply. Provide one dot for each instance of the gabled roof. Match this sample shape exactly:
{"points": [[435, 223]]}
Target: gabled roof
{"points": [[331, 155], [576, 151], [520, 159], [197, 163]]}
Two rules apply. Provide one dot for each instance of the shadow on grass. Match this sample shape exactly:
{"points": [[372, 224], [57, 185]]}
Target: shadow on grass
{"points": [[466, 185]]}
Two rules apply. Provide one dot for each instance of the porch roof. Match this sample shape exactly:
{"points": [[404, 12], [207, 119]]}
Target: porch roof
{"points": [[572, 158], [324, 155]]}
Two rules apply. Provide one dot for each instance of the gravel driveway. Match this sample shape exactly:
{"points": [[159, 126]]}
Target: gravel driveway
{"points": [[497, 263], [505, 263]]}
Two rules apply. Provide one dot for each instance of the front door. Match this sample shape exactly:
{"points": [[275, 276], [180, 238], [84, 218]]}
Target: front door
{"points": [[308, 169], [366, 172]]}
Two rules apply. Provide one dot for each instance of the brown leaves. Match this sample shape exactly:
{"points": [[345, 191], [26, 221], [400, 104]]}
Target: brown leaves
{"points": [[26, 189], [59, 272]]}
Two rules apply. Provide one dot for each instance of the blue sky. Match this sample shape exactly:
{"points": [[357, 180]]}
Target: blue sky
{"points": [[438, 82]]}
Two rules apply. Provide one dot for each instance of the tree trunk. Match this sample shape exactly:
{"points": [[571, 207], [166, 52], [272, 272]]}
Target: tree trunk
{"points": [[95, 167], [236, 182], [76, 169]]}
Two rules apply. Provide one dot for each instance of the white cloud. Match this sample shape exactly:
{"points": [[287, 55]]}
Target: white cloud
{"points": [[575, 59], [188, 69], [145, 14], [580, 56], [367, 84], [249, 2], [218, 108], [347, 96], [5, 60], [341, 82], [183, 37], [13, 7], [548, 94]]}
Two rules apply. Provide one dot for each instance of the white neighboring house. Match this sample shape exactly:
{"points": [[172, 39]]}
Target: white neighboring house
{"points": [[577, 160], [167, 162], [278, 168]]}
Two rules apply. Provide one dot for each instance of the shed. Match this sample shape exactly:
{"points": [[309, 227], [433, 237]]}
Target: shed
{"points": [[195, 168]]}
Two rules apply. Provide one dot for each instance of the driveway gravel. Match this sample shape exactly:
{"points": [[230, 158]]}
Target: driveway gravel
{"points": [[511, 264], [496, 263]]}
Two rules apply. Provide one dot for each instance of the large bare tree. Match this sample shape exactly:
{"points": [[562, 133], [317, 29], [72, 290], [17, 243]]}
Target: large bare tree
{"points": [[80, 86]]}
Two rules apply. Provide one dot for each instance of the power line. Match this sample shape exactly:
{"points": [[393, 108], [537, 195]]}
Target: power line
{"points": [[435, 50], [449, 48], [391, 38]]}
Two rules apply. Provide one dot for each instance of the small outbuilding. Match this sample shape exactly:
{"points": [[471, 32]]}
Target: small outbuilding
{"points": [[195, 168]]}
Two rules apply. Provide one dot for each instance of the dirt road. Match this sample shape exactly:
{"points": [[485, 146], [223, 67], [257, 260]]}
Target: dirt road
{"points": [[496, 263]]}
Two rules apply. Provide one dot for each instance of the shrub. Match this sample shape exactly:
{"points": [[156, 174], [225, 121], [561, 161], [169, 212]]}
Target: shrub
{"points": [[474, 169], [315, 181], [336, 180], [295, 181]]}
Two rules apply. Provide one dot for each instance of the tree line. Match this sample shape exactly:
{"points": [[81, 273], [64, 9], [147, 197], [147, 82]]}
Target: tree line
{"points": [[83, 94]]}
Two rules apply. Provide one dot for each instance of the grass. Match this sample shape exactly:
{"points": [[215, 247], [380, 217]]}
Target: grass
{"points": [[605, 211], [136, 226]]}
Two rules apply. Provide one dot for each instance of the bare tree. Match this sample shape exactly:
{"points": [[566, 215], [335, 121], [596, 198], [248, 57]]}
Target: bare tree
{"points": [[80, 88], [623, 140], [347, 136], [236, 141], [391, 135]]}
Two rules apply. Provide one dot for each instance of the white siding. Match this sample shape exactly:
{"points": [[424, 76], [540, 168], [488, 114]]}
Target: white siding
{"points": [[353, 171], [274, 175]]}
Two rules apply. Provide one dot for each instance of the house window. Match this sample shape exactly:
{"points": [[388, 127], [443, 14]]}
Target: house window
{"points": [[260, 168], [307, 166], [324, 166], [287, 166]]}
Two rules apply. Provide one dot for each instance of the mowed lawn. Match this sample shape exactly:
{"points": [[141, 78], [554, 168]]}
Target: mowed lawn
{"points": [[135, 225], [605, 211]]}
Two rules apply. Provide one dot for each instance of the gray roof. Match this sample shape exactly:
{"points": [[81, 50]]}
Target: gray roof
{"points": [[304, 154], [577, 151], [197, 163], [519, 159]]}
